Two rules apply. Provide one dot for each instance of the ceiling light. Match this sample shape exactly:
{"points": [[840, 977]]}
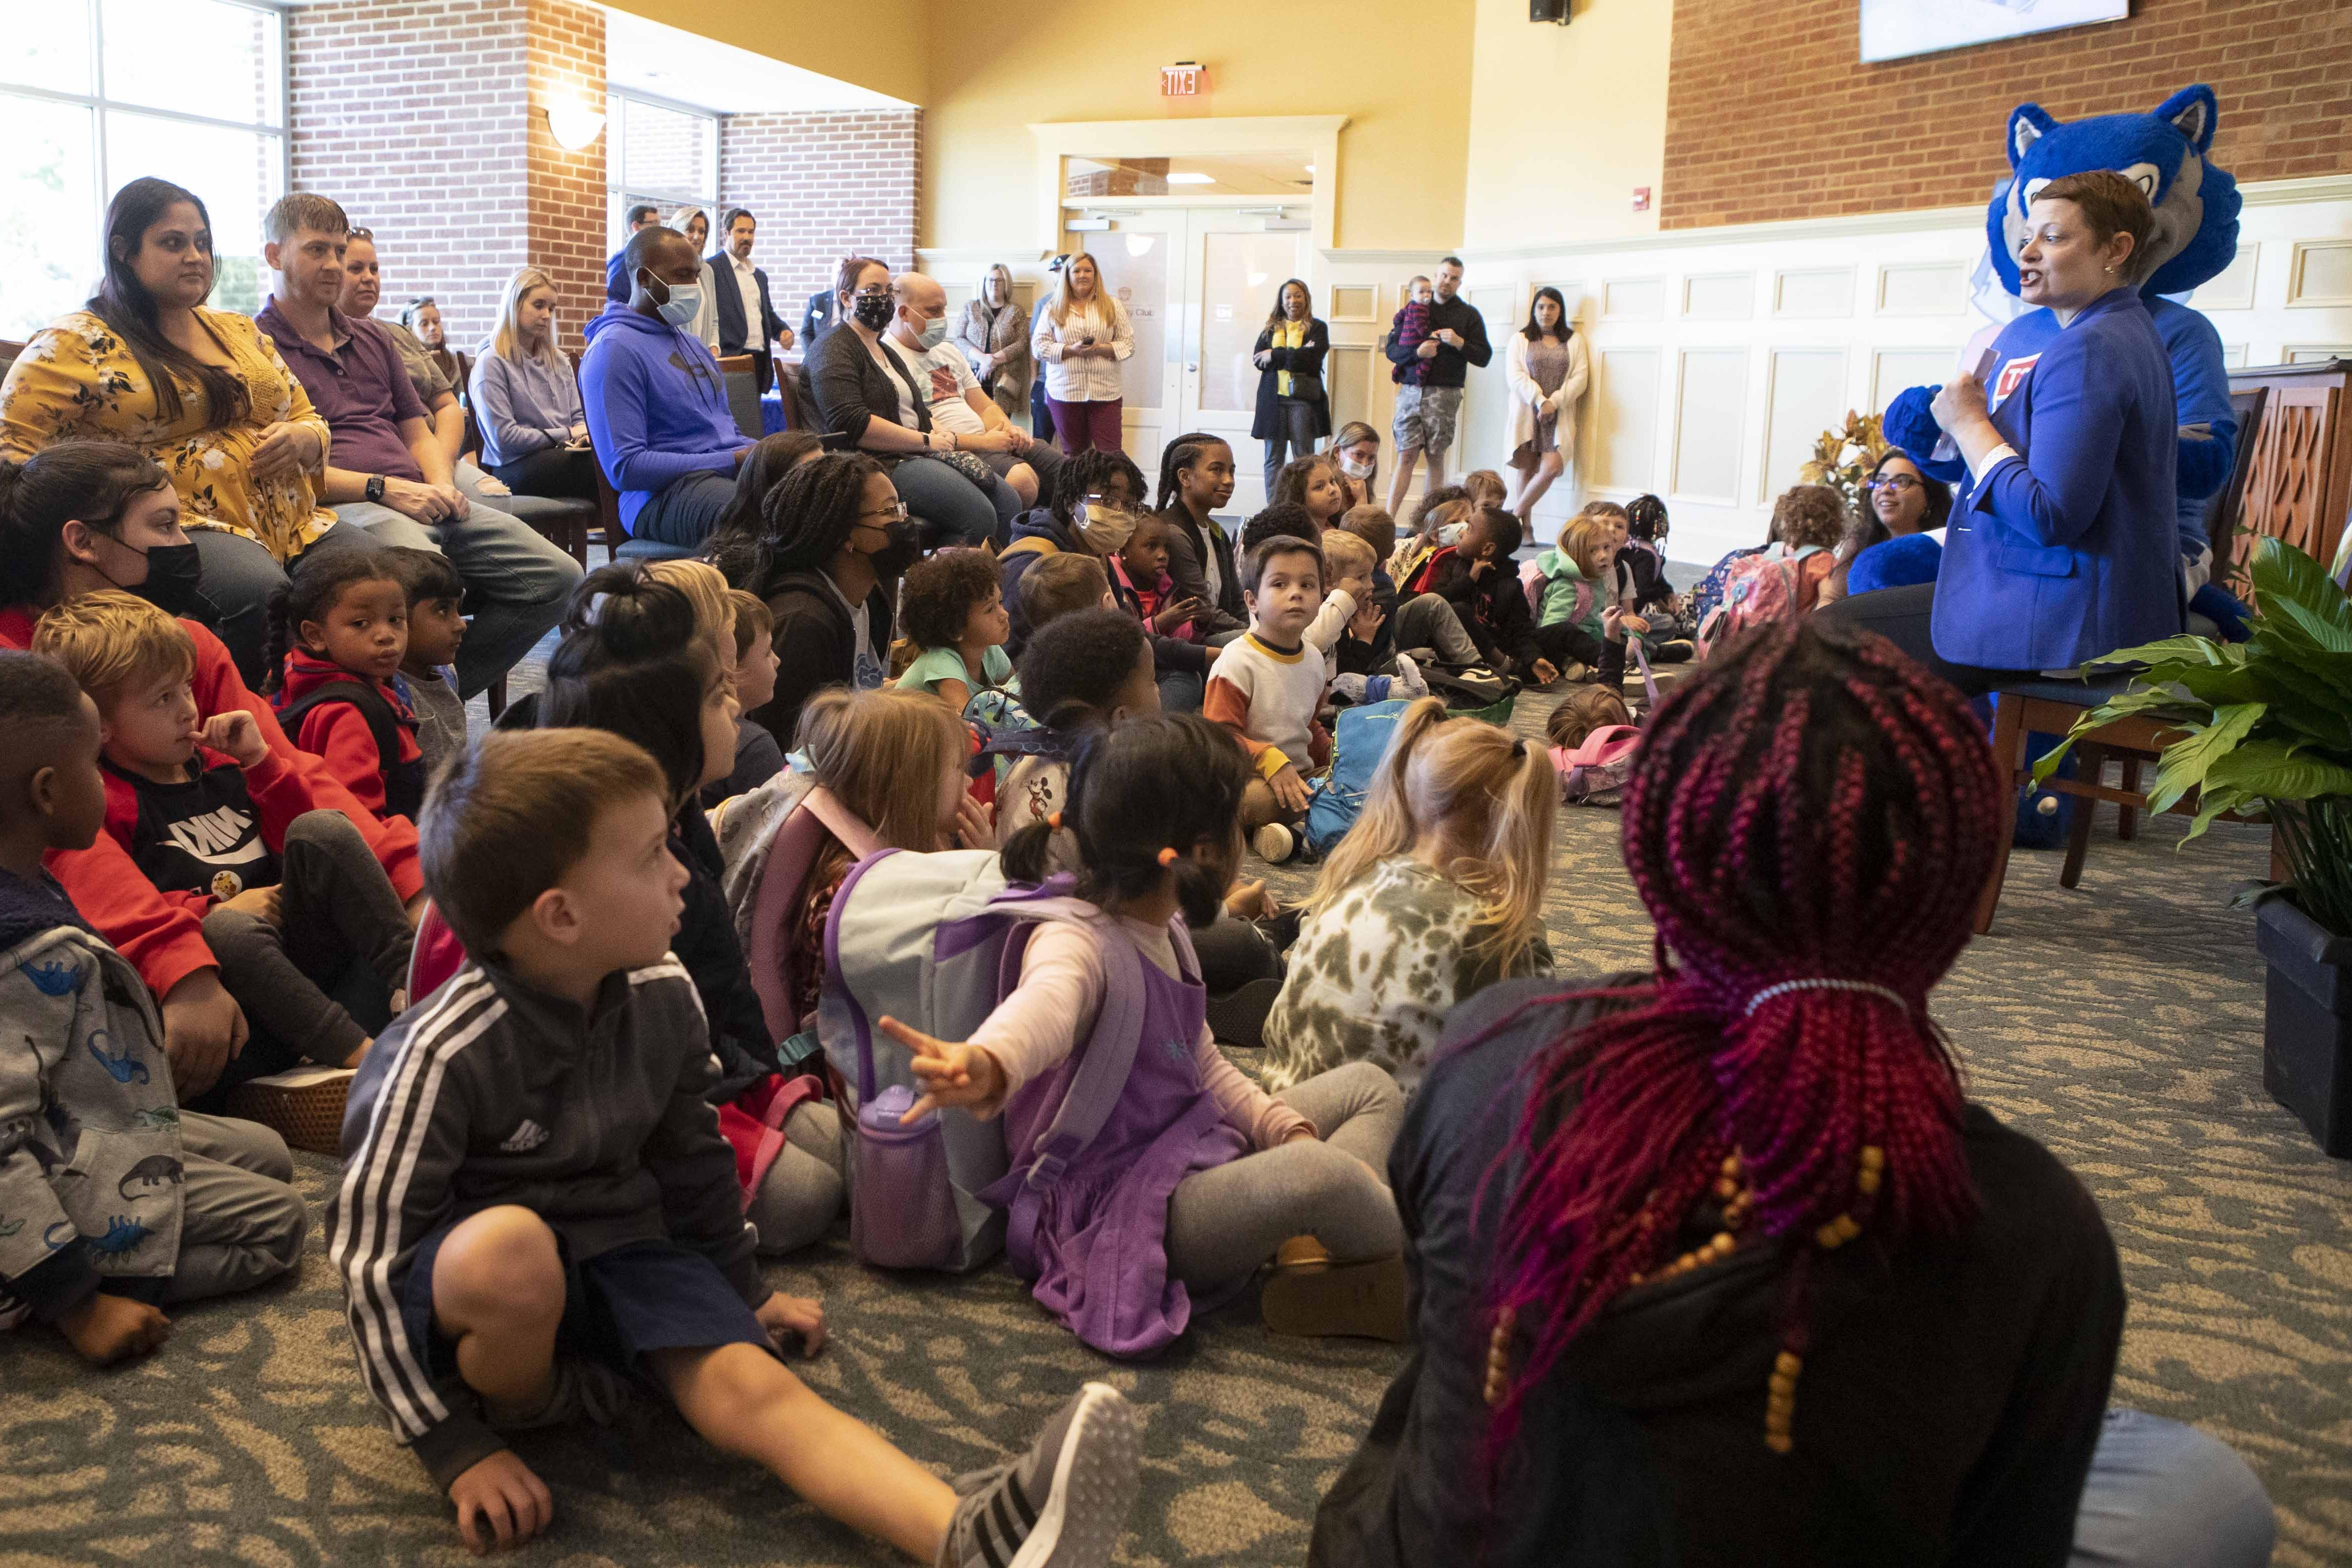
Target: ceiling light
{"points": [[574, 124], [1188, 177]]}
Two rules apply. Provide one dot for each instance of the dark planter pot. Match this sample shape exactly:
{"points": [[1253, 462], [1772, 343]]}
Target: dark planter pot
{"points": [[2307, 1021]]}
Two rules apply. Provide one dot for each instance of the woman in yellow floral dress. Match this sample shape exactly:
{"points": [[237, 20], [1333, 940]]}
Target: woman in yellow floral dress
{"points": [[202, 391]]}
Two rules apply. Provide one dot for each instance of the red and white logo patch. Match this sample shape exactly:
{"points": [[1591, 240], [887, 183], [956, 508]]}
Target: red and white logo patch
{"points": [[2012, 376]]}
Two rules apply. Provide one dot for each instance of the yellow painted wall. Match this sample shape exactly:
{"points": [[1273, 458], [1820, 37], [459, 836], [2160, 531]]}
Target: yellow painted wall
{"points": [[878, 44], [1399, 68], [1565, 123]]}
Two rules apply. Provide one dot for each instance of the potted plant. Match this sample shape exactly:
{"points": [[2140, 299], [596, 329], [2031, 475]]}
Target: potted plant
{"points": [[2270, 730], [1843, 457]]}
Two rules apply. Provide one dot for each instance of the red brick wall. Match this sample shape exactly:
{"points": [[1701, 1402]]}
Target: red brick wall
{"points": [[564, 191], [425, 119], [1771, 115], [823, 186]]}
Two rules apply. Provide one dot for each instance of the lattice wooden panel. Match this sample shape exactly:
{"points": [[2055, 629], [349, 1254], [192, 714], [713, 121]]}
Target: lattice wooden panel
{"points": [[2285, 491]]}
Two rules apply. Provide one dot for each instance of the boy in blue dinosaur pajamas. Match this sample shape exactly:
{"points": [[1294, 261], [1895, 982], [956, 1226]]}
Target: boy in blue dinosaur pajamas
{"points": [[113, 1200]]}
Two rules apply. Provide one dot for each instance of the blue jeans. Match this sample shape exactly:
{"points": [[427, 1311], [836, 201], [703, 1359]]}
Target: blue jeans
{"points": [[233, 594], [1180, 691], [1298, 420], [2162, 1495], [517, 584], [685, 510], [941, 496]]}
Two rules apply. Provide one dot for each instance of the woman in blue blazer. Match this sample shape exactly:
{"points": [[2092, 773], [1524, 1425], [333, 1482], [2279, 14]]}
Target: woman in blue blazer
{"points": [[2062, 547]]}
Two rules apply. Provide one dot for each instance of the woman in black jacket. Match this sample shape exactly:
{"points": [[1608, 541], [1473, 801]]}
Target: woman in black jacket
{"points": [[835, 540], [1196, 480], [1294, 413]]}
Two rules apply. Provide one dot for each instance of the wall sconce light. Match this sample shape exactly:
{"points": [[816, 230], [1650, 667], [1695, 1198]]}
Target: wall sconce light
{"points": [[574, 124]]}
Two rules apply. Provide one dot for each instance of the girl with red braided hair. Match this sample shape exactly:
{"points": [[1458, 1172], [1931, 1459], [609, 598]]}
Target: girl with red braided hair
{"points": [[1718, 1265]]}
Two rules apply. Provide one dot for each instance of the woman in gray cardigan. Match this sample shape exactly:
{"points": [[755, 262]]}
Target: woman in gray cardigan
{"points": [[534, 432], [994, 334]]}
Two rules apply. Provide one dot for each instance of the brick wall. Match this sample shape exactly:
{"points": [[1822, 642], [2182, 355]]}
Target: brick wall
{"points": [[424, 119], [823, 186], [1770, 114]]}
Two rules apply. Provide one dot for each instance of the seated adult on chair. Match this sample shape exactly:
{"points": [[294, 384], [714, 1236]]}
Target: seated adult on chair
{"points": [[748, 323], [534, 431], [2063, 543], [958, 406], [387, 472], [864, 391], [655, 401]]}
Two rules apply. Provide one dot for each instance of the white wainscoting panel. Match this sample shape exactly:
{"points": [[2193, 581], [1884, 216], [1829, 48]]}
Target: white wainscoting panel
{"points": [[1805, 395], [2305, 354], [1625, 425], [2232, 288], [2321, 274], [1819, 293], [1347, 371], [1710, 405], [1923, 288], [1891, 369], [1354, 303], [1632, 298], [1720, 296]]}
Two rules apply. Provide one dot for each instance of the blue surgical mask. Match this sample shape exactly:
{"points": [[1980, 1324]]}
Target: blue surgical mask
{"points": [[934, 333], [683, 303]]}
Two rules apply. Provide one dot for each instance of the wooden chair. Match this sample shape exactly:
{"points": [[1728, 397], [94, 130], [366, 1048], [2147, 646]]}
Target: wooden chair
{"points": [[2050, 707]]}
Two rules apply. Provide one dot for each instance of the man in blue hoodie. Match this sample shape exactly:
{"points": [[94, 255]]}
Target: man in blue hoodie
{"points": [[655, 401]]}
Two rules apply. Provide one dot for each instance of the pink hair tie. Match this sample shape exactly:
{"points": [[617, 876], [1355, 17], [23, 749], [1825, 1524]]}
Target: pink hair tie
{"points": [[1787, 986]]}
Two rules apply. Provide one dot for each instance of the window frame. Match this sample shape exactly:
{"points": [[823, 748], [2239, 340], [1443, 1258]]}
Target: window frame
{"points": [[620, 196]]}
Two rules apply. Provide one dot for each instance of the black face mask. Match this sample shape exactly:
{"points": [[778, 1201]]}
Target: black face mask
{"points": [[173, 572], [906, 547], [873, 311]]}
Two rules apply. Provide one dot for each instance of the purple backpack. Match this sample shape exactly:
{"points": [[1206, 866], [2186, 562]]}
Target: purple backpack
{"points": [[935, 942]]}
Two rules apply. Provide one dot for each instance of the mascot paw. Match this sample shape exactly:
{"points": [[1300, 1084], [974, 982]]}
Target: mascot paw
{"points": [[1909, 425], [2204, 466]]}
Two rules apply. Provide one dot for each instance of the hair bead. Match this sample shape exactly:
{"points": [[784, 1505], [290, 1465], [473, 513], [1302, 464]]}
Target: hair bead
{"points": [[1168, 857]]}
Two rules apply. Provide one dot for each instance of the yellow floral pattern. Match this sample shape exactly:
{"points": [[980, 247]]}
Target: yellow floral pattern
{"points": [[77, 379]]}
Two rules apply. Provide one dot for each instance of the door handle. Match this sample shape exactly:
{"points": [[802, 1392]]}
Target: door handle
{"points": [[1192, 369]]}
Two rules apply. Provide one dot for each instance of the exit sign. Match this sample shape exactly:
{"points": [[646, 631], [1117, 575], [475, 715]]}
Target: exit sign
{"points": [[1183, 79]]}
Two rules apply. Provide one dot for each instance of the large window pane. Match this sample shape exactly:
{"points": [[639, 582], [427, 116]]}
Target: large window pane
{"points": [[223, 61], [237, 173], [48, 229], [47, 45], [667, 151]]}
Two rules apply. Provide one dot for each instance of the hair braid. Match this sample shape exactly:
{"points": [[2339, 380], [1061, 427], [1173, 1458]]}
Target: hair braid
{"points": [[1810, 806]]}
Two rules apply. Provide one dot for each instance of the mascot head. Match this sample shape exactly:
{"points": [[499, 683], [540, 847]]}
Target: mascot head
{"points": [[2196, 204]]}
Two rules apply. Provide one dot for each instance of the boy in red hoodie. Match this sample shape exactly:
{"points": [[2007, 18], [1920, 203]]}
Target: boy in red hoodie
{"points": [[288, 894]]}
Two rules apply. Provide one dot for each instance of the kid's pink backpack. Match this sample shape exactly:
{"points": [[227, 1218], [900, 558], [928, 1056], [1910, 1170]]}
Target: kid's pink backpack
{"points": [[1594, 774], [1774, 585]]}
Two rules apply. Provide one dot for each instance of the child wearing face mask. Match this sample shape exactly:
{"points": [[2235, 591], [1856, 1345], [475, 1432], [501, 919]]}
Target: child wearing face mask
{"points": [[1093, 511]]}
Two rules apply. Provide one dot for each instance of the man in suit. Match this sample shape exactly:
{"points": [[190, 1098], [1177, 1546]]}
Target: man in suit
{"points": [[748, 321], [822, 309], [617, 287]]}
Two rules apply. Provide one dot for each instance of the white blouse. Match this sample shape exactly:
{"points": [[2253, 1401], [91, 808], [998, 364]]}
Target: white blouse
{"points": [[1088, 380]]}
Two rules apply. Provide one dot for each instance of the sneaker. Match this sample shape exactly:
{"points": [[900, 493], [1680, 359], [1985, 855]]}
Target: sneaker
{"points": [[1673, 650], [1063, 1503], [1274, 842], [1238, 1017], [582, 1390], [305, 1105], [1573, 671], [1312, 1297]]}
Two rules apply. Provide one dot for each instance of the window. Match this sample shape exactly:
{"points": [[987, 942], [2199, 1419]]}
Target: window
{"points": [[661, 153], [94, 94]]}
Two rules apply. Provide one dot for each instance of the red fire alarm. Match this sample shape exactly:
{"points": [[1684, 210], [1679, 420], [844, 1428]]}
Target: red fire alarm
{"points": [[1185, 78], [1641, 198]]}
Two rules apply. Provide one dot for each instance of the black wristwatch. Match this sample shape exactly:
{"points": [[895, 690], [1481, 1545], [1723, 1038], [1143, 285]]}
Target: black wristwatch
{"points": [[375, 487]]}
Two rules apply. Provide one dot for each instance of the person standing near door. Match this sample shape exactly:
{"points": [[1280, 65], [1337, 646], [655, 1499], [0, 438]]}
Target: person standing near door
{"points": [[1041, 415], [1293, 410], [1427, 414], [1079, 341]]}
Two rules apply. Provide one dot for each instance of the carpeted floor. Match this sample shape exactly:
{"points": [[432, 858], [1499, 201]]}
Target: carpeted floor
{"points": [[2121, 1024]]}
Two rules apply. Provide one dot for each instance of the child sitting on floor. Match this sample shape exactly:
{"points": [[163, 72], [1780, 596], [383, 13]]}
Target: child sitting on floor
{"points": [[1140, 585], [953, 607], [1290, 521], [1578, 626], [515, 1256], [758, 757], [118, 1201], [1060, 584], [1268, 685], [1197, 1177], [288, 894], [1436, 893], [1642, 573], [1485, 488], [337, 633], [437, 595], [1479, 578], [1080, 674], [643, 669], [1592, 747]]}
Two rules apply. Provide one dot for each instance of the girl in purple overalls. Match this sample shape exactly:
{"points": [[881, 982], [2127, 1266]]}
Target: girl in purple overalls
{"points": [[1197, 1177]]}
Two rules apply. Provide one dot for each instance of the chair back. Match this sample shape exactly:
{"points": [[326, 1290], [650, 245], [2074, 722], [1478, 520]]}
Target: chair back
{"points": [[2246, 405], [608, 499], [743, 374]]}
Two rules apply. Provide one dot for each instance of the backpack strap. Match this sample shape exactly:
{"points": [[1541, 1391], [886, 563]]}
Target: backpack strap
{"points": [[382, 721], [1649, 681], [1107, 1055]]}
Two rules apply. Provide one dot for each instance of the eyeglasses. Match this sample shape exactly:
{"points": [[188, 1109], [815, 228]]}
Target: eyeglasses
{"points": [[1895, 482], [881, 293], [896, 512]]}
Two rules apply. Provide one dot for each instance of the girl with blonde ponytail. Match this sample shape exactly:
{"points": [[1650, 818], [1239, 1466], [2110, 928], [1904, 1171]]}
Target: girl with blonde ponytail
{"points": [[1436, 893]]}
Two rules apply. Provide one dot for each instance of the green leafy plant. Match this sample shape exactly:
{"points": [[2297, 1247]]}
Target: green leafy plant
{"points": [[2269, 723]]}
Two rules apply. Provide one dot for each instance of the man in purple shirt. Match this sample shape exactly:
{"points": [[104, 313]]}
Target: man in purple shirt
{"points": [[387, 473]]}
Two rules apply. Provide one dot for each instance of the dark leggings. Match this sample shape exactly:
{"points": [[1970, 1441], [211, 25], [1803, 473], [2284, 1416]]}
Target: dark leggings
{"points": [[1565, 640], [560, 472], [1904, 618]]}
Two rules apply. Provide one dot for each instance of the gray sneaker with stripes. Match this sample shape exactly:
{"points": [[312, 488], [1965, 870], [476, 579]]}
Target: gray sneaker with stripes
{"points": [[1063, 1503]]}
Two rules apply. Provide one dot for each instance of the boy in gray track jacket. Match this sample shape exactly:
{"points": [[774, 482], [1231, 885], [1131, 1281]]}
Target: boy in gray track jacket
{"points": [[537, 1210]]}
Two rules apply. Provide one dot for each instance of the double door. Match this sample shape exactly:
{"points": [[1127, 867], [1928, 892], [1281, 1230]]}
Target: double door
{"points": [[1198, 283]]}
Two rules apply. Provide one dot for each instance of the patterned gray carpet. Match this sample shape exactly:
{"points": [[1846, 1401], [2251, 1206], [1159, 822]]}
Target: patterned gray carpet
{"points": [[2121, 1024]]}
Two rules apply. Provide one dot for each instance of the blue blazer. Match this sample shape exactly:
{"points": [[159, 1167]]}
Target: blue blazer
{"points": [[2069, 552], [735, 334]]}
